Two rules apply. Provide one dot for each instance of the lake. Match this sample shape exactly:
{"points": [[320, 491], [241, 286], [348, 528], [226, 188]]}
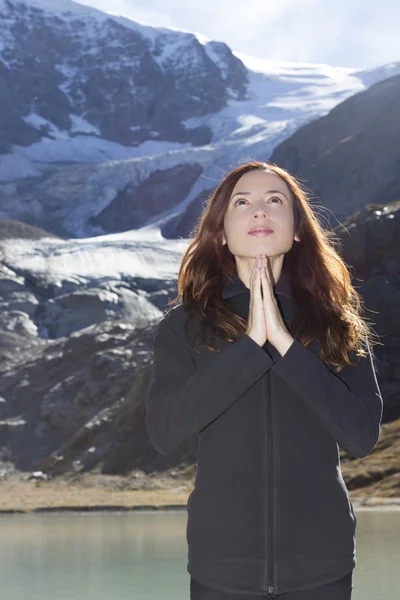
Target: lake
{"points": [[142, 555]]}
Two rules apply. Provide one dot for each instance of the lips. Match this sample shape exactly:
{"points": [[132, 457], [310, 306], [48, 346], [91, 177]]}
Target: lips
{"points": [[260, 231]]}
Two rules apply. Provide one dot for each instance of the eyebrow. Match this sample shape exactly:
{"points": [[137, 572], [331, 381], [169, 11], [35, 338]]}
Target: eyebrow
{"points": [[266, 192]]}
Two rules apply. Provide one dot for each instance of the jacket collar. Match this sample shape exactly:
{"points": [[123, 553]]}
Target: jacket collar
{"points": [[236, 286]]}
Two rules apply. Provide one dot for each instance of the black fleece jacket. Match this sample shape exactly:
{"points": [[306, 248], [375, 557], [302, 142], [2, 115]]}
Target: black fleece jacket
{"points": [[270, 511]]}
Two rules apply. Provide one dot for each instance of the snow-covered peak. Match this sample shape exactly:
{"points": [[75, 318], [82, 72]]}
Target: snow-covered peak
{"points": [[71, 9]]}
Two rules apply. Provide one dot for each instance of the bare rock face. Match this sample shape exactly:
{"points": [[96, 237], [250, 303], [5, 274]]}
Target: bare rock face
{"points": [[18, 304], [371, 245], [72, 404], [121, 76], [135, 205], [67, 392], [350, 157]]}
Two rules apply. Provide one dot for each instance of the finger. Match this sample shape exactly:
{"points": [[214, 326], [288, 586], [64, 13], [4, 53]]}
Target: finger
{"points": [[265, 282], [253, 274], [267, 277], [258, 282], [254, 281]]}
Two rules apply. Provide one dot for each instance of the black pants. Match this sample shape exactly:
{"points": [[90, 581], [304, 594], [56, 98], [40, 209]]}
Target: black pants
{"points": [[336, 590]]}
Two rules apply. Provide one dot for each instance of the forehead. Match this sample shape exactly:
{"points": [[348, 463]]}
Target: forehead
{"points": [[257, 179]]}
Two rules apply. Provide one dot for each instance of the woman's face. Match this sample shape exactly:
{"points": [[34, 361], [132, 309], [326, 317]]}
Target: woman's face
{"points": [[265, 199]]}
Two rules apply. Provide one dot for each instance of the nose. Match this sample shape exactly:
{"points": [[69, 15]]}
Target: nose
{"points": [[260, 207], [261, 211]]}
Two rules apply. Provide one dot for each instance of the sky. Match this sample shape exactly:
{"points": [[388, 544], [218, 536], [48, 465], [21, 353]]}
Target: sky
{"points": [[346, 33]]}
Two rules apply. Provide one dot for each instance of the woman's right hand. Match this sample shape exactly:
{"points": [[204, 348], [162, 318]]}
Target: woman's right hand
{"points": [[256, 325]]}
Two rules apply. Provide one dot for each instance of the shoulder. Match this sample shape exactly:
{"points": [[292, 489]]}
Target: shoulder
{"points": [[173, 331], [175, 319]]}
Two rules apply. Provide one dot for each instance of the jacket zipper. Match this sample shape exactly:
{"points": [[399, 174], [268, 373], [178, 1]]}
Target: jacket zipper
{"points": [[269, 585]]}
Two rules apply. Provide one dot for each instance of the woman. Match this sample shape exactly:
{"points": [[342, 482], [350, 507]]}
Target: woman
{"points": [[283, 377]]}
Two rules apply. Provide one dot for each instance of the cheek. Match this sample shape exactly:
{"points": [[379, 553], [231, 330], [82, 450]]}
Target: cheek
{"points": [[285, 221], [233, 224]]}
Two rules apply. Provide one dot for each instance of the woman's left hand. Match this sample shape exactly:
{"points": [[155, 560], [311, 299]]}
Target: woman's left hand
{"points": [[277, 333]]}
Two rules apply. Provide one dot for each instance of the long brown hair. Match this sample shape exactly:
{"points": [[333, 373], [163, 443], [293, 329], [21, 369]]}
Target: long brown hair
{"points": [[327, 306]]}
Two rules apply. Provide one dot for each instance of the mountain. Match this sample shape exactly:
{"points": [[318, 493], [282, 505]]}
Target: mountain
{"points": [[74, 401], [351, 156], [111, 136], [123, 126]]}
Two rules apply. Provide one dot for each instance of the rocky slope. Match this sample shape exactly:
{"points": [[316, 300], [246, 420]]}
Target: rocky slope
{"points": [[77, 402], [350, 157]]}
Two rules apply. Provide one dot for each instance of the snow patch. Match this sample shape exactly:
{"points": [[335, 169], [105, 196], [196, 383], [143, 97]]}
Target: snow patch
{"points": [[108, 257], [80, 125], [40, 123]]}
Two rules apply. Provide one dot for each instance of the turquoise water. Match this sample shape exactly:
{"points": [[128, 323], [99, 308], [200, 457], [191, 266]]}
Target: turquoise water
{"points": [[142, 556]]}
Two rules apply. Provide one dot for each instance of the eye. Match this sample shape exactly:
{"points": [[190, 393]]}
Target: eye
{"points": [[244, 199]]}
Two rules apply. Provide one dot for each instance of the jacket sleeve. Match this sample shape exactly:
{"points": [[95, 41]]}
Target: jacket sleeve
{"points": [[183, 398], [349, 405]]}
